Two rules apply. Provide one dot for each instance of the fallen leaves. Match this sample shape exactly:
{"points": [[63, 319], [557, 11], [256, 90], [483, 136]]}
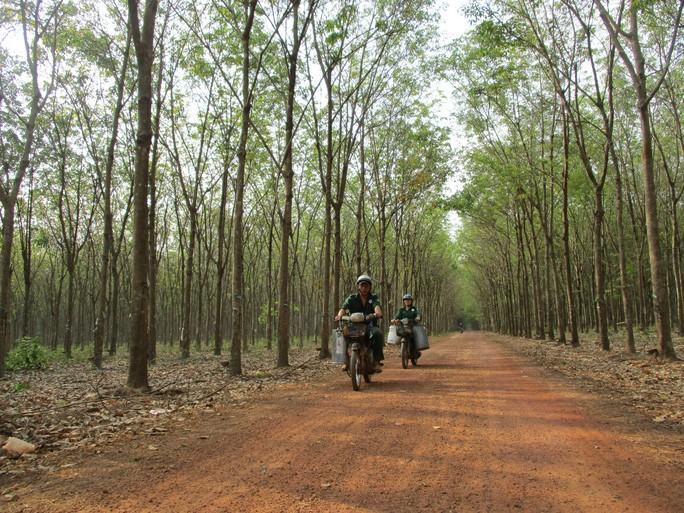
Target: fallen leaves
{"points": [[74, 407]]}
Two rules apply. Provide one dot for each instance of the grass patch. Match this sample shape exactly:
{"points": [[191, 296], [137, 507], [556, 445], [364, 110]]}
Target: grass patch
{"points": [[20, 387], [27, 354]]}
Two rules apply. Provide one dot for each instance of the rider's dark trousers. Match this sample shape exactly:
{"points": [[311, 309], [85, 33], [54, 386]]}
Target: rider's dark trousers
{"points": [[377, 343]]}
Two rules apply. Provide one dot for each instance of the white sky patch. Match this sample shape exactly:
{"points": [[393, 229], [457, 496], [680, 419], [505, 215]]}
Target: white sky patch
{"points": [[453, 24]]}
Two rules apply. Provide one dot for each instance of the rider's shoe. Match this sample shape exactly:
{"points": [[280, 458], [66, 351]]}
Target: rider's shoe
{"points": [[345, 368], [377, 368], [419, 353]]}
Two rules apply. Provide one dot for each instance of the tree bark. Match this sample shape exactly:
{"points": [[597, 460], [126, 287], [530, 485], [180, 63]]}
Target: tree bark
{"points": [[569, 291], [630, 345], [287, 172], [153, 251], [139, 335], [108, 235], [27, 259], [238, 221], [220, 259]]}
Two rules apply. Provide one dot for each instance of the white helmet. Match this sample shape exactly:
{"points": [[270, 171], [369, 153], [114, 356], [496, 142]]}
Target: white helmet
{"points": [[364, 278]]}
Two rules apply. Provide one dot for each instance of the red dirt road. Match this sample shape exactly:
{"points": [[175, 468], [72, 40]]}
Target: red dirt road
{"points": [[475, 428]]}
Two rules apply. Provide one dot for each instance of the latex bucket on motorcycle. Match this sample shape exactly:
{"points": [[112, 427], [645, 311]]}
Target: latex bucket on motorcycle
{"points": [[420, 337], [339, 349], [392, 337]]}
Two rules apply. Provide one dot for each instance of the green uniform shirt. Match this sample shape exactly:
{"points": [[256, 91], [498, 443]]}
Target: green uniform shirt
{"points": [[354, 304], [407, 313]]}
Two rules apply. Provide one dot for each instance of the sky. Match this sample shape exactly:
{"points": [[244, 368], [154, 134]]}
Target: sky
{"points": [[452, 25]]}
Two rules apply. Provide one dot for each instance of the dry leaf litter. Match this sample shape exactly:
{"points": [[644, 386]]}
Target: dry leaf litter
{"points": [[72, 409]]}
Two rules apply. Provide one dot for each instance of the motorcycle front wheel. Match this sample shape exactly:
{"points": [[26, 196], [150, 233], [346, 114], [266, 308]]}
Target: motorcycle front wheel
{"points": [[355, 370], [404, 354]]}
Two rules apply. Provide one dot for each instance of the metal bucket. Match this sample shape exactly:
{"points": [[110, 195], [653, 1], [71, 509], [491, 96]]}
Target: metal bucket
{"points": [[392, 337], [339, 347], [420, 337]]}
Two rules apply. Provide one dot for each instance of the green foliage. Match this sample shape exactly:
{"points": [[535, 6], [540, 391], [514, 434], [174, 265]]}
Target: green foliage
{"points": [[642, 5], [28, 354], [20, 387]]}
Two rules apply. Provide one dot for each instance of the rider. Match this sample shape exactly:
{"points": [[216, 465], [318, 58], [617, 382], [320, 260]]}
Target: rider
{"points": [[408, 311], [369, 305]]}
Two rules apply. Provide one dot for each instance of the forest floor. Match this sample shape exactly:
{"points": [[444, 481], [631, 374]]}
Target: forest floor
{"points": [[479, 426]]}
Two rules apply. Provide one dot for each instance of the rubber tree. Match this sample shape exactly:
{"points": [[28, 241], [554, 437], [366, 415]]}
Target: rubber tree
{"points": [[143, 42], [291, 52], [624, 38], [40, 24]]}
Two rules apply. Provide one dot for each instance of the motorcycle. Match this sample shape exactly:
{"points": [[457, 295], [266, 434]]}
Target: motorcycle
{"points": [[408, 343], [356, 331]]}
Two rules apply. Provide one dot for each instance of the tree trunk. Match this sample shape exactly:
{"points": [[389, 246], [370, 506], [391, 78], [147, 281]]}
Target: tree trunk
{"points": [[154, 258], [677, 266], [68, 327], [220, 261], [630, 346], [27, 260], [6, 276], [238, 246], [288, 178], [186, 330], [108, 235], [144, 50], [642, 302], [326, 180], [599, 270], [569, 291], [114, 315], [661, 304], [326, 261], [360, 209], [286, 230]]}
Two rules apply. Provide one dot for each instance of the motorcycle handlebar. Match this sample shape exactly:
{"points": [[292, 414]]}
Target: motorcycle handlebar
{"points": [[367, 318]]}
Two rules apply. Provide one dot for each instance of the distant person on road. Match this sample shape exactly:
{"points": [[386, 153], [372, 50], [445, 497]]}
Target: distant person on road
{"points": [[460, 326], [369, 305]]}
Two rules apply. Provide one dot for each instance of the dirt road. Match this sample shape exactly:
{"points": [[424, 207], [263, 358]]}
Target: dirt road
{"points": [[475, 428]]}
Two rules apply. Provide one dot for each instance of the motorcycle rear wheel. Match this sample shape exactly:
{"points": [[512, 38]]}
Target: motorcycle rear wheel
{"points": [[355, 370]]}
